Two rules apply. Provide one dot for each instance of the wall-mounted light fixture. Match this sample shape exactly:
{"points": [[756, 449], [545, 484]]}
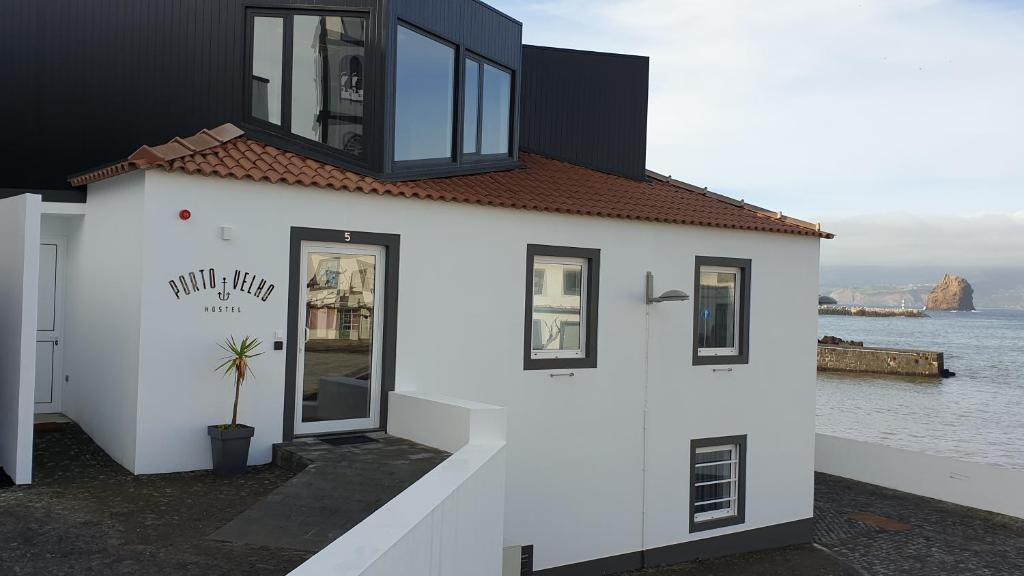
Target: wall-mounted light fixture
{"points": [[668, 296]]}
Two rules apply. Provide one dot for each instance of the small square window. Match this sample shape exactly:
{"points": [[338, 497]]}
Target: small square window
{"points": [[561, 318], [350, 323], [717, 477], [721, 314]]}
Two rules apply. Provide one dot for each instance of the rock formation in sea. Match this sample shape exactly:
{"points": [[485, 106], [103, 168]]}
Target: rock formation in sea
{"points": [[836, 341], [953, 293]]}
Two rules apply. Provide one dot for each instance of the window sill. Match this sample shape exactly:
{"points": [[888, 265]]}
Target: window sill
{"points": [[699, 360], [558, 363], [416, 169], [713, 524]]}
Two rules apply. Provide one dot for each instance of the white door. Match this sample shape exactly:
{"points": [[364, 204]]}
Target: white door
{"points": [[341, 319], [50, 325]]}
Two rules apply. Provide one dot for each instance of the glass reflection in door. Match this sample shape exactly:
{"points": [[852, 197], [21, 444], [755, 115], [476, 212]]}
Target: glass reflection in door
{"points": [[338, 360]]}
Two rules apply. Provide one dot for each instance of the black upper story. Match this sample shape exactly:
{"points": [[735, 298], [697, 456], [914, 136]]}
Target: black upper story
{"points": [[397, 89]]}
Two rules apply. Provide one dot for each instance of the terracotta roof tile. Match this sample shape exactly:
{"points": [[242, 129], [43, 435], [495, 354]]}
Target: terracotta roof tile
{"points": [[540, 184]]}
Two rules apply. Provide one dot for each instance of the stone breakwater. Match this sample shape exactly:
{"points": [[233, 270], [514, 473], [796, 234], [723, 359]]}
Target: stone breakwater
{"points": [[870, 312], [891, 361]]}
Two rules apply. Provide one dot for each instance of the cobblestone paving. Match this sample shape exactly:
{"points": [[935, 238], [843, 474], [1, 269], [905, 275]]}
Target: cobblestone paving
{"points": [[928, 537], [804, 560], [85, 515]]}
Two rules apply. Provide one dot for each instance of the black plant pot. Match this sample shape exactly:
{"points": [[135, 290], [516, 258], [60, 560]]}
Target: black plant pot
{"points": [[230, 448]]}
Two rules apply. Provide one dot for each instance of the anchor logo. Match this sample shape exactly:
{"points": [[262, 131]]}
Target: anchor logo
{"points": [[224, 295]]}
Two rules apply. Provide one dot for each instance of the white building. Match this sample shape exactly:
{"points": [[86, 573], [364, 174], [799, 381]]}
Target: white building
{"points": [[637, 433]]}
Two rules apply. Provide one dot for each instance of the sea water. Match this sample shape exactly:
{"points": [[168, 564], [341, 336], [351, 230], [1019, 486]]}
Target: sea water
{"points": [[976, 416]]}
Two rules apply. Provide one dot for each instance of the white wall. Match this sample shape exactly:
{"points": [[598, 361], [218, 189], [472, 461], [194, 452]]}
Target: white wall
{"points": [[444, 422], [19, 292], [771, 399], [450, 522], [102, 315], [575, 449], [967, 483]]}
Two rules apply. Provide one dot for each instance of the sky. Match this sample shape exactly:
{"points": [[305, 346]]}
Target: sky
{"points": [[883, 119]]}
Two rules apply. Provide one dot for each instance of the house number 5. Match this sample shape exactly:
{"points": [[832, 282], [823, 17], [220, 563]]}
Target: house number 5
{"points": [[348, 236]]}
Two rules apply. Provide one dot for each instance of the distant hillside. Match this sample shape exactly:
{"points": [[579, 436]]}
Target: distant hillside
{"points": [[890, 286]]}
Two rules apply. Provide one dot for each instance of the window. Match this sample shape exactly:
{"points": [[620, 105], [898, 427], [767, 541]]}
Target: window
{"points": [[569, 336], [350, 321], [561, 320], [471, 111], [717, 482], [424, 97], [488, 109], [495, 111], [267, 67], [572, 281], [323, 56], [327, 83], [721, 315], [557, 312], [719, 323]]}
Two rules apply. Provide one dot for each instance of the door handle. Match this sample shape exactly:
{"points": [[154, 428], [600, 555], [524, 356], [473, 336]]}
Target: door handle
{"points": [[56, 342]]}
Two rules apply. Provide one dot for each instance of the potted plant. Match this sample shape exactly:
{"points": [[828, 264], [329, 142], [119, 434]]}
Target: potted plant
{"points": [[230, 442]]}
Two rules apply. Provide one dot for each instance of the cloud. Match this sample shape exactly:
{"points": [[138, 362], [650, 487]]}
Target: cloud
{"points": [[822, 109], [904, 239]]}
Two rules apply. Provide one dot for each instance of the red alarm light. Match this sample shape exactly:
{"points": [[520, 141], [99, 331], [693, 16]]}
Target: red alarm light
{"points": [[185, 214]]}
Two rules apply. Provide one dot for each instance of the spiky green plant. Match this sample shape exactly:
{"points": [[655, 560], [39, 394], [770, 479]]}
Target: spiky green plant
{"points": [[236, 363]]}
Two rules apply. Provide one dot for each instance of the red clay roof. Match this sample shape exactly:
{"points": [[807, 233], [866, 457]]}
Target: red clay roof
{"points": [[540, 184]]}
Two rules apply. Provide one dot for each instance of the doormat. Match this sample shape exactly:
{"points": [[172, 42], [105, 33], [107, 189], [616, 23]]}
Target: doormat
{"points": [[347, 440]]}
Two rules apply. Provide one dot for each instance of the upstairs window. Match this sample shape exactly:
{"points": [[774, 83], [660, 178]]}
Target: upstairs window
{"points": [[722, 313], [308, 76], [267, 68], [327, 83], [424, 97], [559, 312], [487, 109], [561, 321]]}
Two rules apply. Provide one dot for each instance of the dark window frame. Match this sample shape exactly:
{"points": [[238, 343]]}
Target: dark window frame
{"points": [[741, 482], [743, 338], [478, 156], [392, 245], [284, 130], [590, 307]]}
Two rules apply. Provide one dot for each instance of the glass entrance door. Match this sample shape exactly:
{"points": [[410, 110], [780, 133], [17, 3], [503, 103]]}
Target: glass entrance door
{"points": [[341, 321]]}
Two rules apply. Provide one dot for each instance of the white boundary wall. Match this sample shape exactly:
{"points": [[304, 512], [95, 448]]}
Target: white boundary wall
{"points": [[20, 218], [943, 478], [451, 521]]}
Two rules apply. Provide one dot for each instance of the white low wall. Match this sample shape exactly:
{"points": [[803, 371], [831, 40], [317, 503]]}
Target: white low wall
{"points": [[19, 293], [965, 483], [451, 521]]}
